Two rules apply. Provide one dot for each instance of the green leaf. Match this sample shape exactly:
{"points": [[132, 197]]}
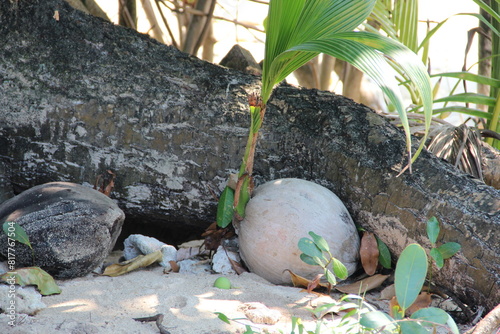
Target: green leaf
{"points": [[452, 325], [14, 231], [223, 317], [431, 314], [339, 269], [319, 241], [309, 260], [384, 255], [410, 273], [377, 319], [244, 197], [330, 277], [438, 258], [449, 249], [470, 77], [225, 210], [469, 98], [433, 230], [33, 276], [411, 327], [308, 247]]}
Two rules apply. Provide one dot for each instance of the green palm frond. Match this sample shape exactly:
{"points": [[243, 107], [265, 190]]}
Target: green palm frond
{"points": [[299, 30]]}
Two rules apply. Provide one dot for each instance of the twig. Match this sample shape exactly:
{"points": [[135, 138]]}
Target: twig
{"points": [[158, 319], [489, 324]]}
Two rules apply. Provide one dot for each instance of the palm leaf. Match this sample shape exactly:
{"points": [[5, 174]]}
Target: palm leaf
{"points": [[299, 30]]}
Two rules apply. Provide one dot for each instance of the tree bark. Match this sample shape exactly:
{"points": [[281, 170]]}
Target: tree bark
{"points": [[79, 96]]}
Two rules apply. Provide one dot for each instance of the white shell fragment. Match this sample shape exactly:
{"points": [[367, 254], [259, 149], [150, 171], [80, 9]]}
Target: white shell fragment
{"points": [[280, 213]]}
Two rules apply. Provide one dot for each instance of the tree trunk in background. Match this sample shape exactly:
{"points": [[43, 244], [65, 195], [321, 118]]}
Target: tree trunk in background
{"points": [[79, 96]]}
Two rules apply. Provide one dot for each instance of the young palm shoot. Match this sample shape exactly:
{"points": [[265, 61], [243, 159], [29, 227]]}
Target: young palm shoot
{"points": [[299, 30]]}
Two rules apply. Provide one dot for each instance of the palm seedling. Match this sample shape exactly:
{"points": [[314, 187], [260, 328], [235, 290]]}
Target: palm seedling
{"points": [[299, 30]]}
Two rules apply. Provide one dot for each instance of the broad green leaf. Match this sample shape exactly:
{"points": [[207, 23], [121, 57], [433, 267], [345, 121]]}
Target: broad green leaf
{"points": [[433, 229], [14, 231], [431, 314], [452, 325], [410, 273], [449, 249], [223, 317], [339, 269], [376, 320], [438, 258], [330, 277], [319, 241], [411, 327], [33, 276], [225, 210], [384, 256], [308, 247], [309, 260]]}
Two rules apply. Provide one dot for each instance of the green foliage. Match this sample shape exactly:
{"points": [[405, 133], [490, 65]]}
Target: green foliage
{"points": [[443, 252], [316, 252], [32, 276], [384, 257], [410, 274], [299, 30], [14, 231], [225, 208]]}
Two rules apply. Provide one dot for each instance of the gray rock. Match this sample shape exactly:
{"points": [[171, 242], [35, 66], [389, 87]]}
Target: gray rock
{"points": [[221, 263], [71, 228], [20, 300], [138, 244]]}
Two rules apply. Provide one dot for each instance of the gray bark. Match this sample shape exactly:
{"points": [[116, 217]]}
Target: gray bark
{"points": [[79, 96]]}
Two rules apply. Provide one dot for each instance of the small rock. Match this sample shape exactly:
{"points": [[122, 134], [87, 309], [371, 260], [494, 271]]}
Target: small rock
{"points": [[72, 228], [27, 299], [221, 263], [137, 244], [241, 59], [259, 313]]}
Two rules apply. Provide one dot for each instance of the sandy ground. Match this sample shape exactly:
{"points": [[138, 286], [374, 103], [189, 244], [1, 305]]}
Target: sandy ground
{"points": [[101, 304]]}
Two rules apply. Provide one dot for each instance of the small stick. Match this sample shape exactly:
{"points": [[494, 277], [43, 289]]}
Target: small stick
{"points": [[159, 319]]}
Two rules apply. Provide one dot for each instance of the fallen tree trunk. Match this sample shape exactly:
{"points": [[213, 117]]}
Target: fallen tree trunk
{"points": [[79, 96]]}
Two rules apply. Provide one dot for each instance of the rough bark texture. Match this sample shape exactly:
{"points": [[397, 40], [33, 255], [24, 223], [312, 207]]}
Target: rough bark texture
{"points": [[79, 95]]}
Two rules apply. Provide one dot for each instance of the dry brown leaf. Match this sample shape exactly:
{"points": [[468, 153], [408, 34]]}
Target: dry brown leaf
{"points": [[314, 283], [423, 300], [299, 281], [363, 285], [369, 253], [175, 266], [140, 261], [238, 267]]}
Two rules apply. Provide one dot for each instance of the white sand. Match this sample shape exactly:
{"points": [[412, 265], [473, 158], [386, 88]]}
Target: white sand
{"points": [[100, 304]]}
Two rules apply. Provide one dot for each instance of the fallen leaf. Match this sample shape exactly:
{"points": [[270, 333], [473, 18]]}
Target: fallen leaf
{"points": [[299, 281], [238, 267], [363, 285], [369, 252], [324, 305], [175, 266], [314, 283], [423, 300], [140, 261], [32, 276], [388, 292]]}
